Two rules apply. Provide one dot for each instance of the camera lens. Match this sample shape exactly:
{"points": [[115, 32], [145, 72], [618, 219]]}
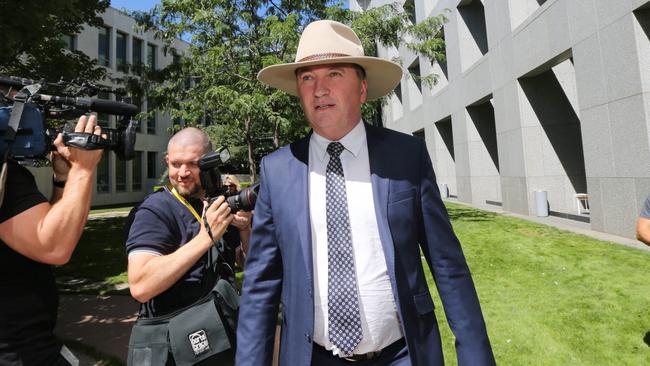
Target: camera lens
{"points": [[244, 200]]}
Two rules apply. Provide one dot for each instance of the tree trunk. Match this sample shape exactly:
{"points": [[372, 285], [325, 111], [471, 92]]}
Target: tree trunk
{"points": [[249, 144], [276, 135]]}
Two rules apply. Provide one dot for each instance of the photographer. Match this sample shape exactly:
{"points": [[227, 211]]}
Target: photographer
{"points": [[35, 234], [167, 241]]}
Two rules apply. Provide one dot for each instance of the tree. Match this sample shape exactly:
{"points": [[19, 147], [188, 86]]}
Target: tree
{"points": [[215, 83], [32, 44]]}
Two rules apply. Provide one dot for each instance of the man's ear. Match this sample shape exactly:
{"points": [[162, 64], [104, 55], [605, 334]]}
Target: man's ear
{"points": [[364, 91]]}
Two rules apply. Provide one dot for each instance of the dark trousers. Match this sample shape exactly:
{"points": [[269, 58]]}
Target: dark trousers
{"points": [[395, 354]]}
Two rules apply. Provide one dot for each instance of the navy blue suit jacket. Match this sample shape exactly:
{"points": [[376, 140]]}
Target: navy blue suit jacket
{"points": [[411, 217]]}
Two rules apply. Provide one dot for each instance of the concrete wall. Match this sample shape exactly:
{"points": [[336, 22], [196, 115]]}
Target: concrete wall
{"points": [[541, 95]]}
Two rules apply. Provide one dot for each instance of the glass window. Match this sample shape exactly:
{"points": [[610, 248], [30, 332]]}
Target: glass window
{"points": [[137, 171], [152, 161], [103, 175], [151, 56], [103, 119], [120, 175], [151, 124], [137, 56], [103, 46], [120, 52], [69, 42], [409, 9]]}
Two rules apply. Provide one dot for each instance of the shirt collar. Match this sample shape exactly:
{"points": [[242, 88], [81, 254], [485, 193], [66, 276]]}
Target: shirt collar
{"points": [[352, 142]]}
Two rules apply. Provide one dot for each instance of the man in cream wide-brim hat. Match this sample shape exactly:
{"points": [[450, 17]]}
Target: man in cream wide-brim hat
{"points": [[340, 220]]}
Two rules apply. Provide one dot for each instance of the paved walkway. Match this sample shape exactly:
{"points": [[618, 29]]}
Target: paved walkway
{"points": [[101, 322]]}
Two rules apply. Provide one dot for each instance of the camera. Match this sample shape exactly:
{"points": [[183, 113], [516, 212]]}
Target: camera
{"points": [[24, 132], [210, 176]]}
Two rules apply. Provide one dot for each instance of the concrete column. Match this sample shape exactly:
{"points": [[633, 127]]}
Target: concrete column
{"points": [[112, 48], [613, 81]]}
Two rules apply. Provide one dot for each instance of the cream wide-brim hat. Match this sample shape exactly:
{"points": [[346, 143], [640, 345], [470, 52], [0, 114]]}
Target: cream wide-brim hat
{"points": [[329, 42]]}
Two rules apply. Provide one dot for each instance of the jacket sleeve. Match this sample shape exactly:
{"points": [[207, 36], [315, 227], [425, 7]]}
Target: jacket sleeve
{"points": [[445, 258], [262, 284]]}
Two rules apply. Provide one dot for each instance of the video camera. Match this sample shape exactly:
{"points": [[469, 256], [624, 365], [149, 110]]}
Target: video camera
{"points": [[23, 128], [210, 175]]}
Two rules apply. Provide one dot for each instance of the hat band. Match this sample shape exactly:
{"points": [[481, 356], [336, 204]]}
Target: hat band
{"points": [[321, 56]]}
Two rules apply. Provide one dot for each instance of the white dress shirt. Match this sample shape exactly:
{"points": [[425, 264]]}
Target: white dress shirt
{"points": [[379, 320]]}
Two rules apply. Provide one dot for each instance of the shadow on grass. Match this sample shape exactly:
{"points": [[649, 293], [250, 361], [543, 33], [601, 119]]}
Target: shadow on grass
{"points": [[468, 214], [99, 261], [646, 338]]}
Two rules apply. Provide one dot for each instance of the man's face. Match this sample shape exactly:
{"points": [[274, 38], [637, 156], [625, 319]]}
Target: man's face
{"points": [[183, 165], [331, 97]]}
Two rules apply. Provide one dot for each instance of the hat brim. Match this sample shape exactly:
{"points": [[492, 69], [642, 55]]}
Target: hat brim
{"points": [[382, 76]]}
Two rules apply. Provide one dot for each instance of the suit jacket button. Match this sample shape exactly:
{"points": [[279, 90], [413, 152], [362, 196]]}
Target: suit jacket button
{"points": [[309, 292], [308, 338]]}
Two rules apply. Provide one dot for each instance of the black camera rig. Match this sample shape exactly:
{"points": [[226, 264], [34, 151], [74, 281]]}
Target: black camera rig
{"points": [[210, 176], [24, 134]]}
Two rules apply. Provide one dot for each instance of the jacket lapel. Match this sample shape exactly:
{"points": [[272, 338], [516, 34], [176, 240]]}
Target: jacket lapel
{"points": [[377, 147], [299, 170]]}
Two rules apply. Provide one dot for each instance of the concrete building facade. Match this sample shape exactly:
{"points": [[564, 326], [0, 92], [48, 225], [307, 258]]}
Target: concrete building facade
{"points": [[120, 47], [535, 95]]}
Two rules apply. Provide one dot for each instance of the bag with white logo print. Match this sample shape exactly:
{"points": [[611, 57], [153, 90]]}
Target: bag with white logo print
{"points": [[203, 331]]}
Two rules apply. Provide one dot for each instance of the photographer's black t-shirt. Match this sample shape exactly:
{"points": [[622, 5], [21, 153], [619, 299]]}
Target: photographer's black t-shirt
{"points": [[161, 225], [28, 295]]}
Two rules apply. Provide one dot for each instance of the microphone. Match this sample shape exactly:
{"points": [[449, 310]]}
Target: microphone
{"points": [[16, 81], [93, 104]]}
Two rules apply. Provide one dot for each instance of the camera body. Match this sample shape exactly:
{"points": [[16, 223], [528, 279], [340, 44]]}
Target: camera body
{"points": [[31, 138], [34, 140], [210, 175]]}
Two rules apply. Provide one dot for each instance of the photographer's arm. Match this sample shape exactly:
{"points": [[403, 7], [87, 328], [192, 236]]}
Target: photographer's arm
{"points": [[242, 221], [150, 275], [48, 233]]}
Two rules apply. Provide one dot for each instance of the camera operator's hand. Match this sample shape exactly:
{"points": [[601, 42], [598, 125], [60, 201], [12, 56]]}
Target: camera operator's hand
{"points": [[60, 166], [64, 158], [218, 216]]}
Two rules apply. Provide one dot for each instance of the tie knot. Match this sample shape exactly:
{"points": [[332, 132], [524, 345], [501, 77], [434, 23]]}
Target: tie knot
{"points": [[335, 149]]}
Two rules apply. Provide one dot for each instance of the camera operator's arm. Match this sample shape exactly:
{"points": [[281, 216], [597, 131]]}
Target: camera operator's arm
{"points": [[242, 221], [150, 275], [48, 233]]}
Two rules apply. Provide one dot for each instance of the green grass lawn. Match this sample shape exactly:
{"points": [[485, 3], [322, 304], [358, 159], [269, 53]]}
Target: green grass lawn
{"points": [[549, 297]]}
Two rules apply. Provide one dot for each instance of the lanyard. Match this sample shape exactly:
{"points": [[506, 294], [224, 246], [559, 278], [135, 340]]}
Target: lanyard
{"points": [[187, 204]]}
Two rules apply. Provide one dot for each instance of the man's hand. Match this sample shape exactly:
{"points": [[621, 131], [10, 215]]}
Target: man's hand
{"points": [[60, 166], [242, 220], [64, 158], [218, 217]]}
